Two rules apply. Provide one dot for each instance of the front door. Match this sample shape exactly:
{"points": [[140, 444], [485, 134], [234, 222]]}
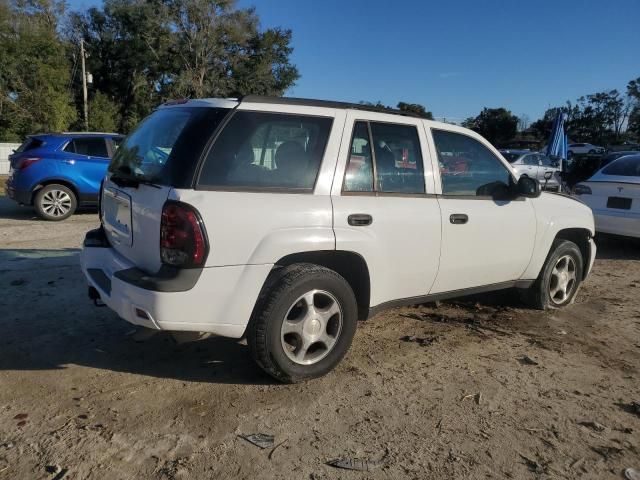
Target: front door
{"points": [[485, 240], [384, 204]]}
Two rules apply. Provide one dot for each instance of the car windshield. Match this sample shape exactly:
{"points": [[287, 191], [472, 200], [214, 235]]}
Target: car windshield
{"points": [[511, 157], [624, 167], [164, 142]]}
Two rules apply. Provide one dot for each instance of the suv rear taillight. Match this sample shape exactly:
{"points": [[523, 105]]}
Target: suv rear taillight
{"points": [[25, 162], [183, 240]]}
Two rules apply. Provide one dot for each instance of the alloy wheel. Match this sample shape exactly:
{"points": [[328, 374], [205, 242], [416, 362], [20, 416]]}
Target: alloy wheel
{"points": [[311, 327], [56, 203], [563, 279]]}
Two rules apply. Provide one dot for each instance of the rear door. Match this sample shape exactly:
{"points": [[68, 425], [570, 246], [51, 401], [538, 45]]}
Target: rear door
{"points": [[86, 161], [384, 204]]}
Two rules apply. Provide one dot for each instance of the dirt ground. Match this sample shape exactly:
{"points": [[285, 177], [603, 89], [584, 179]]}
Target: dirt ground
{"points": [[479, 388]]}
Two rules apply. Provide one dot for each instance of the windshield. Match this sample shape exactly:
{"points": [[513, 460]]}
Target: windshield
{"points": [[624, 167], [511, 157], [167, 141]]}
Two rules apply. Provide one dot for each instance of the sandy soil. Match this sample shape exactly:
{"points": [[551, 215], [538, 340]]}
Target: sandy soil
{"points": [[426, 392]]}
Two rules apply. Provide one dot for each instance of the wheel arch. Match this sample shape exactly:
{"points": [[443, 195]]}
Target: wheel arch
{"points": [[581, 237], [55, 181], [350, 265]]}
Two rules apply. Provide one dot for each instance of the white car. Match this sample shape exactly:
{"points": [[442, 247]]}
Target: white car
{"points": [[584, 148], [535, 165], [288, 220], [613, 194]]}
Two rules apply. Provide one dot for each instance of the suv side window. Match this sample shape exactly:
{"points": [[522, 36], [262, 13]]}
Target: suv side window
{"points": [[91, 147], [359, 174], [531, 160], [266, 150], [467, 167], [396, 155]]}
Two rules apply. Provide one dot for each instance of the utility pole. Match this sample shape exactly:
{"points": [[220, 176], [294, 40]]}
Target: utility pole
{"points": [[84, 88]]}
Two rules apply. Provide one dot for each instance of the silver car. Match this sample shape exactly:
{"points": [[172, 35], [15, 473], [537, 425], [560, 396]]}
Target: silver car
{"points": [[534, 165]]}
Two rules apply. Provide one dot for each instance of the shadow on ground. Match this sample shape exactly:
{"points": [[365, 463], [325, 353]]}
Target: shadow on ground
{"points": [[12, 211], [48, 322], [612, 247]]}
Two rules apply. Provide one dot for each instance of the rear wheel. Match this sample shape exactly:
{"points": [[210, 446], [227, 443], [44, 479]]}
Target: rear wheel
{"points": [[55, 202], [559, 279], [303, 323]]}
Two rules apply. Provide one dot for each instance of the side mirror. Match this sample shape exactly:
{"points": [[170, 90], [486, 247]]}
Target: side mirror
{"points": [[528, 187], [548, 175]]}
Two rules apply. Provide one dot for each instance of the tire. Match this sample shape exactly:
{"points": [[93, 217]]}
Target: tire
{"points": [[55, 202], [547, 291], [283, 322]]}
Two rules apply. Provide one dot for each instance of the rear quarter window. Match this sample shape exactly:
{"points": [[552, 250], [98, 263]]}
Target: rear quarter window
{"points": [[263, 151], [30, 144]]}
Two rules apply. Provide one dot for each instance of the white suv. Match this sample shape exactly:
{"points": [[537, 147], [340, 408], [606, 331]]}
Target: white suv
{"points": [[288, 220]]}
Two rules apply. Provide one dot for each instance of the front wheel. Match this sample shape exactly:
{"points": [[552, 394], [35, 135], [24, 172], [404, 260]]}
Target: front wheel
{"points": [[55, 202], [560, 278], [303, 323]]}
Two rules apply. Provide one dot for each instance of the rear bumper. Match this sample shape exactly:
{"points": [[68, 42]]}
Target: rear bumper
{"points": [[220, 300], [617, 223], [23, 197]]}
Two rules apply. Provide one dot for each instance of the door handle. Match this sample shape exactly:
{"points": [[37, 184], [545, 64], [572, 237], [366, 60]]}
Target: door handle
{"points": [[360, 220], [458, 218]]}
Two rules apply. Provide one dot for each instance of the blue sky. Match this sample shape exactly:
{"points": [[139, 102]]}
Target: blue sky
{"points": [[456, 57]]}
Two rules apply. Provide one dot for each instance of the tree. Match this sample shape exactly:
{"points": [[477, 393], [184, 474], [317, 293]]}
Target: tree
{"points": [[633, 93], [416, 109], [498, 125], [103, 113], [34, 70], [143, 52]]}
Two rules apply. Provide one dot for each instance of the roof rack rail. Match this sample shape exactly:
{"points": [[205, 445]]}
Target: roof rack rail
{"points": [[322, 103]]}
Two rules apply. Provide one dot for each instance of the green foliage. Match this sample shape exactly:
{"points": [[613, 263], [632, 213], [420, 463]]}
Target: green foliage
{"points": [[140, 54], [143, 52], [34, 72], [498, 125], [103, 113], [416, 109]]}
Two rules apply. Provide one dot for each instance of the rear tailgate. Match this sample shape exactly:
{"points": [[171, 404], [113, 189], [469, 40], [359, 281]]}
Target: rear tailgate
{"points": [[612, 197], [131, 219]]}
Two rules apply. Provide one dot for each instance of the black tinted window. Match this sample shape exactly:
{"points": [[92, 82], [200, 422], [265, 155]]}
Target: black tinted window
{"points": [[30, 144], [398, 158], [359, 174], [166, 146], [467, 167], [267, 150], [92, 147], [624, 167]]}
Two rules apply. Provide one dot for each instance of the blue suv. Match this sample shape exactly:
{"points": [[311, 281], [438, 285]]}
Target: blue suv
{"points": [[59, 172]]}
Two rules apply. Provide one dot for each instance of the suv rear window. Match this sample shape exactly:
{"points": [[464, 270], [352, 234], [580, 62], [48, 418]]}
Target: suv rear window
{"points": [[166, 146], [624, 167], [30, 143], [262, 150]]}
